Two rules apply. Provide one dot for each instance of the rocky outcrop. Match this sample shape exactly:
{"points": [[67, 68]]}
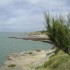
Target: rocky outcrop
{"points": [[42, 38], [27, 60]]}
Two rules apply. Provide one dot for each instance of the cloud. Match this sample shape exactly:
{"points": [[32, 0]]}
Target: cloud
{"points": [[27, 15], [4, 3]]}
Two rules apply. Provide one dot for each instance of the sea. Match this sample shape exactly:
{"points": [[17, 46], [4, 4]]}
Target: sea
{"points": [[11, 45]]}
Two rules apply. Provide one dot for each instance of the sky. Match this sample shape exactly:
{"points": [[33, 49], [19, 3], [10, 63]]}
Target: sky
{"points": [[28, 15]]}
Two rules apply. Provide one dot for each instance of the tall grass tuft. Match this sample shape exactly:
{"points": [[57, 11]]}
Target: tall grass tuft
{"points": [[59, 31]]}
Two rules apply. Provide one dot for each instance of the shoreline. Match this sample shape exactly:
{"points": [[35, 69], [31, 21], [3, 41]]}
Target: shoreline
{"points": [[27, 60], [41, 38]]}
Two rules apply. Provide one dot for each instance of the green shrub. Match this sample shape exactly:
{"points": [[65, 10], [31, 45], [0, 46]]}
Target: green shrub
{"points": [[12, 65], [59, 32], [61, 61], [30, 53]]}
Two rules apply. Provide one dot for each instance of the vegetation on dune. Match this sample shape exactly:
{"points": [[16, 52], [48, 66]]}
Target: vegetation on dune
{"points": [[59, 31], [61, 61], [12, 65]]}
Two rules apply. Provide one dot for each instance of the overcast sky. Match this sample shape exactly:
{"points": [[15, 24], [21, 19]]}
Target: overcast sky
{"points": [[27, 15]]}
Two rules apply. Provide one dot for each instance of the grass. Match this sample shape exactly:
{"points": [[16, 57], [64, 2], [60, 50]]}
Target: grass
{"points": [[12, 65], [30, 53], [60, 61]]}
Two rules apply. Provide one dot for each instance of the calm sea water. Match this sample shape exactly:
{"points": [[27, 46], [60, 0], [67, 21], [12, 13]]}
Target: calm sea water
{"points": [[8, 45]]}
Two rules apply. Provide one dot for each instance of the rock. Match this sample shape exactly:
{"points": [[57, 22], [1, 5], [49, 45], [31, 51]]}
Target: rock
{"points": [[42, 38], [23, 53], [10, 58], [27, 60], [15, 55]]}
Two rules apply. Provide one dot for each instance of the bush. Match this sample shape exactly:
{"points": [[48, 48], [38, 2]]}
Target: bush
{"points": [[12, 65], [59, 32]]}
